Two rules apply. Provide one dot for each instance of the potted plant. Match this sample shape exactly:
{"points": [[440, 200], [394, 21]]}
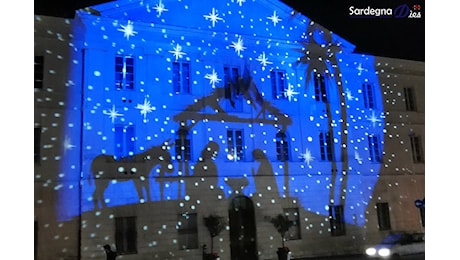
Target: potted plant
{"points": [[215, 224], [282, 225]]}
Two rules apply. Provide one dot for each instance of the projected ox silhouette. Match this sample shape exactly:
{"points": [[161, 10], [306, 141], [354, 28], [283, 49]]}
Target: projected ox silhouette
{"points": [[105, 169]]}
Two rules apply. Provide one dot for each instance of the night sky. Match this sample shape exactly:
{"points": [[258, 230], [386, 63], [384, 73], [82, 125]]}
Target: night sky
{"points": [[390, 37]]}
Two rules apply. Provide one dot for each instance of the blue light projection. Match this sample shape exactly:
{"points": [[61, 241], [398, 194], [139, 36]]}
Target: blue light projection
{"points": [[128, 133]]}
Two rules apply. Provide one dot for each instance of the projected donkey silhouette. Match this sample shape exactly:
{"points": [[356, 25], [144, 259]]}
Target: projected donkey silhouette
{"points": [[105, 168]]}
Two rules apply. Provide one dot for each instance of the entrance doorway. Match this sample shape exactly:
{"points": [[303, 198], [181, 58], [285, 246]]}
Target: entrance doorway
{"points": [[243, 244]]}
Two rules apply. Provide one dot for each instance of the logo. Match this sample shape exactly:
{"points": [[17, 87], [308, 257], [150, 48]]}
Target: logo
{"points": [[403, 11]]}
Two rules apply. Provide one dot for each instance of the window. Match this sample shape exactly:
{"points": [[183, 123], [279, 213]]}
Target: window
{"points": [[124, 141], [383, 216], [374, 148], [181, 77], [235, 145], [422, 215], [282, 147], [124, 72], [278, 84], [368, 93], [409, 97], [182, 146], [187, 228], [126, 235], [37, 138], [320, 88], [232, 89], [325, 143], [38, 71], [293, 215], [337, 220], [416, 146], [35, 239]]}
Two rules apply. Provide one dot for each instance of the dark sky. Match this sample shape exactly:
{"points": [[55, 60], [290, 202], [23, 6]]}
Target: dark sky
{"points": [[390, 37]]}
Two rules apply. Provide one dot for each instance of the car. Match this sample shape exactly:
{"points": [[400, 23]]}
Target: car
{"points": [[398, 244]]}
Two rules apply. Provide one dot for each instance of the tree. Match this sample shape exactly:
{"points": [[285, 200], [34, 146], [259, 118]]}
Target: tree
{"points": [[282, 225], [215, 224]]}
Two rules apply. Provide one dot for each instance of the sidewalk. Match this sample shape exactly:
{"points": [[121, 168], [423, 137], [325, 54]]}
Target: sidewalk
{"points": [[341, 257]]}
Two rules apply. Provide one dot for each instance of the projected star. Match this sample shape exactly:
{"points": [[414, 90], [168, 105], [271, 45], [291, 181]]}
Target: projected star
{"points": [[113, 113], [68, 144], [177, 52], [238, 46], [240, 2], [274, 18], [373, 118], [307, 157], [358, 157], [289, 92], [349, 95], [213, 79], [128, 30], [145, 108], [214, 17], [360, 69], [160, 8], [263, 60]]}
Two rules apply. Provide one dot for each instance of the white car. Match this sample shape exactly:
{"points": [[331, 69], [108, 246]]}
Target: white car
{"points": [[396, 245]]}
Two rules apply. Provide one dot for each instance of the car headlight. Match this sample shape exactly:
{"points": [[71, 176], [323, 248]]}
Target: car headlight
{"points": [[371, 251], [384, 252]]}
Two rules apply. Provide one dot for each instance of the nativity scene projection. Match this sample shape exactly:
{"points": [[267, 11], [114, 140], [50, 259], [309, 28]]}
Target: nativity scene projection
{"points": [[248, 97]]}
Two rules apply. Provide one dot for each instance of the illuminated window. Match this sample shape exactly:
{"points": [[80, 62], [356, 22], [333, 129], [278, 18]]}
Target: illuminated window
{"points": [[182, 146], [294, 232], [235, 145], [282, 147], [383, 216], [320, 88], [337, 220], [278, 84], [124, 72], [416, 147], [126, 235], [325, 144], [409, 97], [374, 148], [37, 141], [124, 141], [181, 77], [38, 71], [187, 229], [368, 93], [232, 89]]}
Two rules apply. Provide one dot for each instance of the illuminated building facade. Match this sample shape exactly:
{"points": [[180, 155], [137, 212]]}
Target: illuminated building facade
{"points": [[151, 115]]}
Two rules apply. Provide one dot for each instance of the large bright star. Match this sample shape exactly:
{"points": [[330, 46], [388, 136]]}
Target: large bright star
{"points": [[307, 157], [177, 52], [213, 79], [128, 30], [145, 108], [373, 118], [160, 8], [360, 69], [289, 92], [113, 113], [274, 18], [68, 144], [240, 2], [263, 60], [238, 46], [214, 17]]}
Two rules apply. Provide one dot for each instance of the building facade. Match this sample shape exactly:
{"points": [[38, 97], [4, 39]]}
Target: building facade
{"points": [[152, 115]]}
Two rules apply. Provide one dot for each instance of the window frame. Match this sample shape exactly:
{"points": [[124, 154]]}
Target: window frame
{"points": [[37, 143], [39, 71], [375, 150], [126, 235], [183, 146], [383, 215], [278, 84], [416, 148], [233, 144], [124, 79], [320, 87], [326, 146], [409, 98], [124, 141], [368, 95], [187, 235], [282, 147], [337, 220], [231, 75], [181, 78]]}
